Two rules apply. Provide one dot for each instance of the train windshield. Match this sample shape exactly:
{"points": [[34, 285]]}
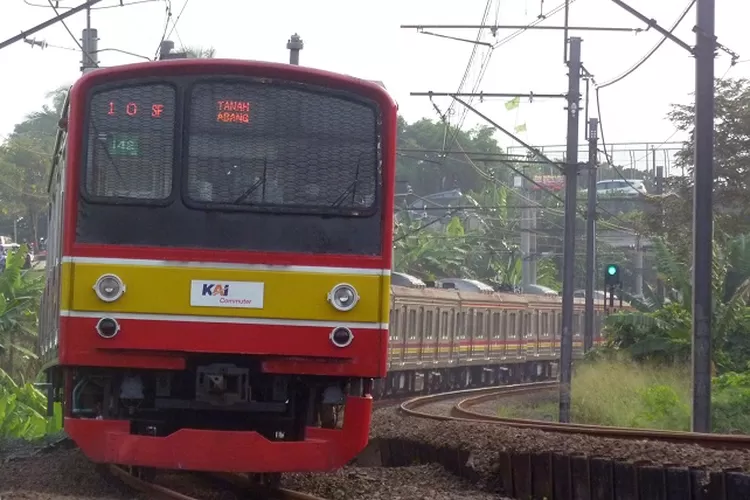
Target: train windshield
{"points": [[256, 145], [131, 143]]}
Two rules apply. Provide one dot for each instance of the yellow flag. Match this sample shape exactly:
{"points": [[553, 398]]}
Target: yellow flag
{"points": [[521, 128], [513, 103]]}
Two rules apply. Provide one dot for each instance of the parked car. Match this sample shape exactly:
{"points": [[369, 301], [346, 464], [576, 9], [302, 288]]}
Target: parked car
{"points": [[614, 187]]}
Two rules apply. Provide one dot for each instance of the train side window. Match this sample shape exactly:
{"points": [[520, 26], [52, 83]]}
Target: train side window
{"points": [[420, 323], [529, 326], [576, 323], [559, 324], [444, 326], [470, 323], [461, 332], [480, 325], [545, 324], [496, 319], [394, 324], [412, 324], [453, 324], [511, 329], [428, 325]]}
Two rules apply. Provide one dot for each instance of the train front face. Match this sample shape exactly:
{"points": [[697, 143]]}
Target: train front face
{"points": [[226, 264]]}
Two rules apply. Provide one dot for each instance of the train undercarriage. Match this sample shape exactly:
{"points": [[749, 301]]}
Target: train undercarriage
{"points": [[425, 380]]}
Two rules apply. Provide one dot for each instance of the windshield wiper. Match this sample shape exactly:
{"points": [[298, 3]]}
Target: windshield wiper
{"points": [[255, 185], [352, 188]]}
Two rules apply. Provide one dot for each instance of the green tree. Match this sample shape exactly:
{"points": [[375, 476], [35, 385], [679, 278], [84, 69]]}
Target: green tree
{"points": [[25, 162], [196, 52], [671, 215], [20, 293], [662, 330]]}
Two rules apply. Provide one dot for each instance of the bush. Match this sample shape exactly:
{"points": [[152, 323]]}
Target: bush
{"points": [[23, 411]]}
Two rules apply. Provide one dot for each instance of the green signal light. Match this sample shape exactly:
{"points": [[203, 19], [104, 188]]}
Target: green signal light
{"points": [[611, 270]]}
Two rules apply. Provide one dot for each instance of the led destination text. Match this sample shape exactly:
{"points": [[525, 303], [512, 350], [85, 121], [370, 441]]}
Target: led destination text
{"points": [[233, 111]]}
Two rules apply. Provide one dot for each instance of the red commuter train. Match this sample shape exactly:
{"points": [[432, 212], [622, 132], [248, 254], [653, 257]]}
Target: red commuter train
{"points": [[218, 271]]}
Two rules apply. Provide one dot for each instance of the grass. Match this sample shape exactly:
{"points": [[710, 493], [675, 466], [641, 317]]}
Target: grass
{"points": [[621, 394]]}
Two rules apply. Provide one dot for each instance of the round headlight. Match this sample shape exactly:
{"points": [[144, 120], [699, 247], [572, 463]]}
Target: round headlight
{"points": [[107, 327], [109, 288], [341, 336], [343, 297]]}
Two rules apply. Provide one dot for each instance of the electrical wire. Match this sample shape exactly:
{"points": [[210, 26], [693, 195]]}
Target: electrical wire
{"points": [[651, 52], [65, 25], [474, 49], [168, 4], [488, 56], [121, 3], [177, 20]]}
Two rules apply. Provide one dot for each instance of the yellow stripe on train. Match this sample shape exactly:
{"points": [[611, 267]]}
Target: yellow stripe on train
{"points": [[167, 290]]}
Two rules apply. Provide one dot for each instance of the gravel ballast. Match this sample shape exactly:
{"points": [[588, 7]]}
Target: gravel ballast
{"points": [[61, 474], [486, 441], [423, 482]]}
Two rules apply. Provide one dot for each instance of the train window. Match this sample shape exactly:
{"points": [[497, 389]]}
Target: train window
{"points": [[545, 324], [496, 322], [436, 328], [480, 325], [452, 333], [576, 324], [559, 324], [512, 325], [412, 324], [461, 332], [420, 323], [130, 151], [470, 324], [252, 144], [394, 324], [444, 326], [428, 325]]}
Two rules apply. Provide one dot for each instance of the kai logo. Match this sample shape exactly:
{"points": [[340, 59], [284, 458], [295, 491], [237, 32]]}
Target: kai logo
{"points": [[215, 293], [215, 290]]}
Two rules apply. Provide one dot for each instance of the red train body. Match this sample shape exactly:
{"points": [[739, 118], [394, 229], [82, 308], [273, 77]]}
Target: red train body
{"points": [[219, 264]]}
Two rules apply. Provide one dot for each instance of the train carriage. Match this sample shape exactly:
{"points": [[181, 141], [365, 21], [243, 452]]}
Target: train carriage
{"points": [[219, 264], [443, 338]]}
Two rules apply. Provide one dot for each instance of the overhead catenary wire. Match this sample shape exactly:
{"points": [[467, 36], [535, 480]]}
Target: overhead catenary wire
{"points": [[65, 25], [651, 52]]}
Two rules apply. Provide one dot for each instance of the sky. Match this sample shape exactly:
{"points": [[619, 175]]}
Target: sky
{"points": [[364, 39]]}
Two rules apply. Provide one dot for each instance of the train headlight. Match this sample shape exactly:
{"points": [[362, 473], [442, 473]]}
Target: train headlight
{"points": [[109, 287], [107, 328], [341, 336], [343, 297]]}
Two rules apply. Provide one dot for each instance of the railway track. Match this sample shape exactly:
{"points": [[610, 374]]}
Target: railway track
{"points": [[238, 486], [467, 399]]}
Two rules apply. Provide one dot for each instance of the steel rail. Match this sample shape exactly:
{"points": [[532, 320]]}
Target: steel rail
{"points": [[462, 412]]}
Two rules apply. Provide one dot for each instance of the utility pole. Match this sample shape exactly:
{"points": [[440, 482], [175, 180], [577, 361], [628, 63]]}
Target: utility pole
{"points": [[89, 47], [295, 45], [528, 263], [702, 213], [588, 334], [659, 191], [569, 239]]}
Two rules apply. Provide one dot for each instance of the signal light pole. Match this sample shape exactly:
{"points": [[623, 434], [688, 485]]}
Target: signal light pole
{"points": [[612, 279]]}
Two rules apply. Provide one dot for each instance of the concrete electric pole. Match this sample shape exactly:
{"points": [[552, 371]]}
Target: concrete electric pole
{"points": [[295, 45]]}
